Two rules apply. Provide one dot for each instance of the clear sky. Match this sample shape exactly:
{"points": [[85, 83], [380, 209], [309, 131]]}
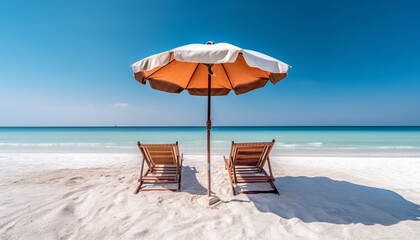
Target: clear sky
{"points": [[66, 63]]}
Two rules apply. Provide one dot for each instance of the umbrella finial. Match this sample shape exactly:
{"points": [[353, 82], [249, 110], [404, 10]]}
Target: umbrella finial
{"points": [[210, 43]]}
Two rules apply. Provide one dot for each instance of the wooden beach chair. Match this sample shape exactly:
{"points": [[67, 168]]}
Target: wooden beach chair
{"points": [[164, 163], [246, 165]]}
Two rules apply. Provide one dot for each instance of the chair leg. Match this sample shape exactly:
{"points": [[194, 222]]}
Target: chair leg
{"points": [[230, 177], [274, 187], [269, 168], [272, 177], [141, 177], [180, 173], [138, 188], [179, 181]]}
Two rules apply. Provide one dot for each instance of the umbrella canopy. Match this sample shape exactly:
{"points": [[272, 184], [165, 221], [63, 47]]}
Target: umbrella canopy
{"points": [[209, 70], [186, 67]]}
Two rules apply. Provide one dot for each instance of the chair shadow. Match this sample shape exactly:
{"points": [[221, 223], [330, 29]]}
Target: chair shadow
{"points": [[189, 182], [321, 199]]}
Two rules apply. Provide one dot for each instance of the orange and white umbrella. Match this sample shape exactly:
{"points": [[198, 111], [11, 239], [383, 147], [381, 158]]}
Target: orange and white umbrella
{"points": [[209, 70]]}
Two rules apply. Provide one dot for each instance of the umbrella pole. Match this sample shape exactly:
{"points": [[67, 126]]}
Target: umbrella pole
{"points": [[208, 126]]}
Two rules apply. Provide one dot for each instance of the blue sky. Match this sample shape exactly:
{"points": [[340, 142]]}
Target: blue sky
{"points": [[66, 63]]}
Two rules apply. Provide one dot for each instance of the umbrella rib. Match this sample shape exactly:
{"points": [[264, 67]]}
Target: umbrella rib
{"points": [[192, 75], [224, 69], [159, 69]]}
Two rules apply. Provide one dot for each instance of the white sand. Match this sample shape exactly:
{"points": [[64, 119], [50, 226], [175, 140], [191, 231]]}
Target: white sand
{"points": [[321, 198]]}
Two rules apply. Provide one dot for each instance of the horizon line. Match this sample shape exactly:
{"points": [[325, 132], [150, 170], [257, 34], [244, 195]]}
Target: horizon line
{"points": [[199, 126]]}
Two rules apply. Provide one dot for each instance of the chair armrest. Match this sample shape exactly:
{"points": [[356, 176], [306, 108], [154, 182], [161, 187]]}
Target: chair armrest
{"points": [[226, 162]]}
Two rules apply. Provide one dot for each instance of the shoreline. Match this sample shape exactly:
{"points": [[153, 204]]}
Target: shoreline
{"points": [[17, 163], [333, 152]]}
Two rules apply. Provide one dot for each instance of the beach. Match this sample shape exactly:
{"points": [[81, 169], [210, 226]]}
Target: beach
{"points": [[320, 198], [334, 183]]}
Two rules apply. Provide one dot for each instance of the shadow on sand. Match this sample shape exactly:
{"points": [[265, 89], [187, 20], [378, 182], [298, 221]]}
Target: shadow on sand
{"points": [[189, 182], [321, 199]]}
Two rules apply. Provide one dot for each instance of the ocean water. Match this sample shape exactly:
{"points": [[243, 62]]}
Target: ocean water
{"points": [[290, 141]]}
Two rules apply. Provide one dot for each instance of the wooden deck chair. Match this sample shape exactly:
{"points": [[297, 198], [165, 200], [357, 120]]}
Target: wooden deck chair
{"points": [[165, 165], [246, 165]]}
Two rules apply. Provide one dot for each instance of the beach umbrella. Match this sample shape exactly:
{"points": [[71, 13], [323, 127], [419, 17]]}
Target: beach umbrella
{"points": [[209, 70]]}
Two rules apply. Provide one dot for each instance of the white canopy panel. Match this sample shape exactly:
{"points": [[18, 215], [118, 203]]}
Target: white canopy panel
{"points": [[211, 54]]}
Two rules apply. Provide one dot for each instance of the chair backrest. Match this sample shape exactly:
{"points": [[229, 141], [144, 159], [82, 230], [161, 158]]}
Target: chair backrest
{"points": [[250, 154], [160, 154]]}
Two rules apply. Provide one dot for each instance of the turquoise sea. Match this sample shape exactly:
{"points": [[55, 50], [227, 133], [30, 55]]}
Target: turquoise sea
{"points": [[290, 141]]}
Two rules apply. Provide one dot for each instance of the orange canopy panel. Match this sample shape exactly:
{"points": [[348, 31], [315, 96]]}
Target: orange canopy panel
{"points": [[176, 76]]}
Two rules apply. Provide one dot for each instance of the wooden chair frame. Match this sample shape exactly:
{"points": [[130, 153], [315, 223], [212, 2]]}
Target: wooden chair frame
{"points": [[249, 170], [158, 172]]}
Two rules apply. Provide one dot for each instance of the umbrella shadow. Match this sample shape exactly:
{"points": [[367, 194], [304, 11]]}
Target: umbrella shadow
{"points": [[321, 199], [190, 183]]}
